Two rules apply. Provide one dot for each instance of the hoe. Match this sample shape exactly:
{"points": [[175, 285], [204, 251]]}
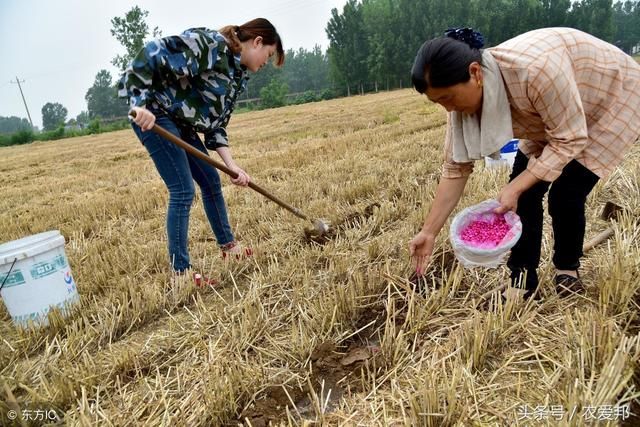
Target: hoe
{"points": [[318, 230]]}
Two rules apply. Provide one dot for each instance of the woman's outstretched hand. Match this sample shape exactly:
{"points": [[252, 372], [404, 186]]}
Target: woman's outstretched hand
{"points": [[420, 249], [144, 118]]}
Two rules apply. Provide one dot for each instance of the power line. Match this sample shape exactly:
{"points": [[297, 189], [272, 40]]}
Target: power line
{"points": [[18, 81]]}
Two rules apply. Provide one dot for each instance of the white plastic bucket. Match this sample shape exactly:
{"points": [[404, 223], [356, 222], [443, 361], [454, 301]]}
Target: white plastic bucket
{"points": [[36, 277], [507, 155]]}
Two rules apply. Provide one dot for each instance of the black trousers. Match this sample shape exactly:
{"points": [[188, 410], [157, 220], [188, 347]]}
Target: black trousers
{"points": [[567, 198]]}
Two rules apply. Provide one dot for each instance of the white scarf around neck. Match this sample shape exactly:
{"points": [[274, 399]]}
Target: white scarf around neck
{"points": [[474, 138]]}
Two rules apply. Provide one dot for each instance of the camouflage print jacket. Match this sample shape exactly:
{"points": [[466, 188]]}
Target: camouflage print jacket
{"points": [[194, 77]]}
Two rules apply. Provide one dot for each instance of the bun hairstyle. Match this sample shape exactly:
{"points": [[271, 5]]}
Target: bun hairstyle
{"points": [[259, 27], [474, 39], [444, 61]]}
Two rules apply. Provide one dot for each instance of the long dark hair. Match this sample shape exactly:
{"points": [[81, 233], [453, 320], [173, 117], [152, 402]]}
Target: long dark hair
{"points": [[446, 59], [259, 27]]}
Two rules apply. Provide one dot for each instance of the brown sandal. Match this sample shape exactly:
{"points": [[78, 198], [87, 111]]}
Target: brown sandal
{"points": [[567, 285]]}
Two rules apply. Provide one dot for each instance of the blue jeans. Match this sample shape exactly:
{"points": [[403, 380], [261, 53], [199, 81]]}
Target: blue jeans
{"points": [[178, 171]]}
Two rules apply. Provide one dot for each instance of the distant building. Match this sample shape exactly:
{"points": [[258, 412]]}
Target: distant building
{"points": [[72, 126]]}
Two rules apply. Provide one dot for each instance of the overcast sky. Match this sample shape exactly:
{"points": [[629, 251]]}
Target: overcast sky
{"points": [[58, 46]]}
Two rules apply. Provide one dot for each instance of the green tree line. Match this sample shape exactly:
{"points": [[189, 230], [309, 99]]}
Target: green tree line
{"points": [[372, 44], [375, 41]]}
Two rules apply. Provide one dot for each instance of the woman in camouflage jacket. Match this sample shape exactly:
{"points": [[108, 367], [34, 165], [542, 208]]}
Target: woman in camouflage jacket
{"points": [[188, 84]]}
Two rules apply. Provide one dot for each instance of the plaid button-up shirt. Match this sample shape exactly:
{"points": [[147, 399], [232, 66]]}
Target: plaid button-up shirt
{"points": [[572, 96]]}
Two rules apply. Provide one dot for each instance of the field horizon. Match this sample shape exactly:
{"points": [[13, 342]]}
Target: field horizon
{"points": [[307, 333]]}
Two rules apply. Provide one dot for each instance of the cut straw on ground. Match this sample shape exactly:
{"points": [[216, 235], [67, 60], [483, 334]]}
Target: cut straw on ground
{"points": [[308, 333]]}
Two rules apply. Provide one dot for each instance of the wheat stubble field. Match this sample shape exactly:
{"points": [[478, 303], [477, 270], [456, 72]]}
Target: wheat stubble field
{"points": [[309, 334]]}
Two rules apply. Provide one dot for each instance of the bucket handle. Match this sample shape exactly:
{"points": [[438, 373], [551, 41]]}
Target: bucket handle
{"points": [[8, 273]]}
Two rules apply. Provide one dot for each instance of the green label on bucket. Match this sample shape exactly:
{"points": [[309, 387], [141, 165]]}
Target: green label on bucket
{"points": [[14, 279], [45, 268]]}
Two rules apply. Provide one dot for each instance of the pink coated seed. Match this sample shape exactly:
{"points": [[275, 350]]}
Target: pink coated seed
{"points": [[487, 234]]}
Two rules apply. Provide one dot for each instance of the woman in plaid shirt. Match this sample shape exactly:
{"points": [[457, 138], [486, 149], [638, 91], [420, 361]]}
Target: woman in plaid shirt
{"points": [[188, 84], [574, 102]]}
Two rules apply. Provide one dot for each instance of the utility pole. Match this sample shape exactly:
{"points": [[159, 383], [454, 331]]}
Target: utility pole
{"points": [[23, 100]]}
